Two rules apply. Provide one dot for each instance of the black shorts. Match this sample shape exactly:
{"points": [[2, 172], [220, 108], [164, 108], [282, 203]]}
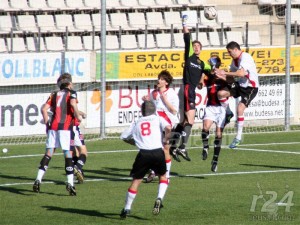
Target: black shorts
{"points": [[247, 94], [146, 160], [187, 97]]}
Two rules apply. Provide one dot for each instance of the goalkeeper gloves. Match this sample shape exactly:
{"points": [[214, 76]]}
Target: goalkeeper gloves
{"points": [[215, 62]]}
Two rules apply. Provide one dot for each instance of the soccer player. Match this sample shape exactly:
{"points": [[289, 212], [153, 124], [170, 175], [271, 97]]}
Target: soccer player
{"points": [[242, 68], [167, 105], [214, 113], [146, 133], [63, 104], [78, 147], [193, 69]]}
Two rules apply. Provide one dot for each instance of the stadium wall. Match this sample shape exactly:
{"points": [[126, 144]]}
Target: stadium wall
{"points": [[27, 79]]}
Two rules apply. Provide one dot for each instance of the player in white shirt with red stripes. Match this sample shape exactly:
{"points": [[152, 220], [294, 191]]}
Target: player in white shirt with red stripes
{"points": [[167, 105], [147, 134], [244, 69]]}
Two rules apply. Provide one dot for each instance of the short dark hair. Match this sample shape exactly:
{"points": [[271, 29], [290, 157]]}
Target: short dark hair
{"points": [[148, 108], [64, 80], [233, 45], [198, 42], [166, 75]]}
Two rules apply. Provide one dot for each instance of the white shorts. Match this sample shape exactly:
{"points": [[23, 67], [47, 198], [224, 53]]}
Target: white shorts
{"points": [[216, 114], [59, 139], [78, 137]]}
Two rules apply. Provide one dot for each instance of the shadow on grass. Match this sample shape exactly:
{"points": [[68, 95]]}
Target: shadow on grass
{"points": [[271, 166], [15, 177], [17, 191], [107, 173], [26, 192], [192, 176], [30, 192], [115, 216]]}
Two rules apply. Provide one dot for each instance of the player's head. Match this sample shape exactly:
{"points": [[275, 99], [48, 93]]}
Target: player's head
{"points": [[234, 49], [197, 47], [64, 80], [148, 108], [165, 75], [233, 45]]}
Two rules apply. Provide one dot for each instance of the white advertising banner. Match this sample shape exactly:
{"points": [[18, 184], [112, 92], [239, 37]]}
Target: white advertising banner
{"points": [[44, 68], [270, 102], [20, 114], [123, 104]]}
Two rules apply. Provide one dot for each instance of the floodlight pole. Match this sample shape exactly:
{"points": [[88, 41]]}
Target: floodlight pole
{"points": [[103, 68], [287, 64]]}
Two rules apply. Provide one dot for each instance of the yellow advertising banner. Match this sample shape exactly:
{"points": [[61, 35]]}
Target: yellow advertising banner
{"points": [[147, 64]]}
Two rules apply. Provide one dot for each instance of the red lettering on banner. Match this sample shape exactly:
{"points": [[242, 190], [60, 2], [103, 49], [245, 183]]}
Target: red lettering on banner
{"points": [[205, 100], [199, 98], [125, 96], [137, 95]]}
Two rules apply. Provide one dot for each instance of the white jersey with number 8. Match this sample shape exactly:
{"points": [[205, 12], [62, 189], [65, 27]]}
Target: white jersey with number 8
{"points": [[146, 132]]}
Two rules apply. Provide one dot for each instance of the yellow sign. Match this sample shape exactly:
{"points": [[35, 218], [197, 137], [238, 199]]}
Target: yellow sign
{"points": [[147, 64], [269, 61]]}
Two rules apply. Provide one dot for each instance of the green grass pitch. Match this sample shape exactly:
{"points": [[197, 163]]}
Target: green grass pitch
{"points": [[258, 183]]}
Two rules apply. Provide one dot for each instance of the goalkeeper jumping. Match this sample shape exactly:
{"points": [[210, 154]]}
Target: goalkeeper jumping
{"points": [[193, 69]]}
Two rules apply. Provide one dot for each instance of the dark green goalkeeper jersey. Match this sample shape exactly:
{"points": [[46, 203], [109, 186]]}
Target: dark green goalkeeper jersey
{"points": [[194, 66]]}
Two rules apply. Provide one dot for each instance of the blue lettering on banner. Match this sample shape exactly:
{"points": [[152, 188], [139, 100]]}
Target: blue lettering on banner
{"points": [[44, 73], [7, 70], [72, 67], [18, 74], [56, 67], [39, 68], [26, 73], [69, 66], [80, 60], [36, 70]]}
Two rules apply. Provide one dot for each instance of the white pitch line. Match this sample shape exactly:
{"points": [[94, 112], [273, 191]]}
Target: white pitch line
{"points": [[243, 172], [286, 143], [35, 155], [261, 150], [135, 150], [189, 175]]}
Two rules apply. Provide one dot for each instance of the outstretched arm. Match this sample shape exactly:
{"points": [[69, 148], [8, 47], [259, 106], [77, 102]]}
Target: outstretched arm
{"points": [[222, 74]]}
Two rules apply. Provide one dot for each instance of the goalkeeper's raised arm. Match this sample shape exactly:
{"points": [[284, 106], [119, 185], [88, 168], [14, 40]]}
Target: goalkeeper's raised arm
{"points": [[193, 69]]}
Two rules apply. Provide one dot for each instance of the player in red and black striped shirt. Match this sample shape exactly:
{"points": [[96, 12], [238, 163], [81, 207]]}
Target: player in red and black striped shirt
{"points": [[214, 113], [63, 104]]}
